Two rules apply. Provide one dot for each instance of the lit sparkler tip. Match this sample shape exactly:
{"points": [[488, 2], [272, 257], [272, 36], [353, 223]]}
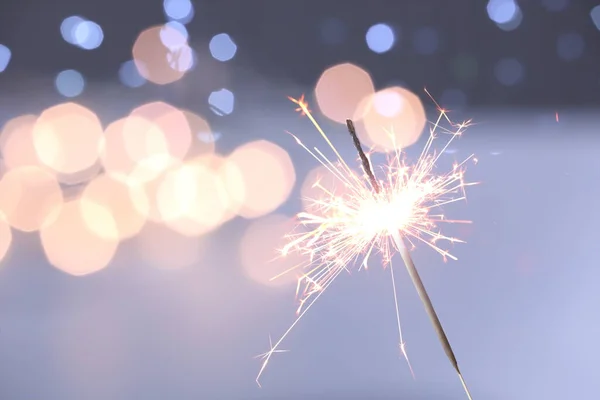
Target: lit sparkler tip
{"points": [[368, 216]]}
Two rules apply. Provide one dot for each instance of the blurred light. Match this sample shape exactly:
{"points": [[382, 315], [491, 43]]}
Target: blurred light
{"points": [[380, 38], [129, 75], [555, 5], [259, 256], [88, 35], [453, 99], [179, 10], [207, 137], [162, 247], [16, 142], [333, 31], [70, 83], [147, 179], [393, 118], [148, 173], [203, 139], [5, 237], [268, 177], [426, 41], [192, 199], [114, 155], [509, 71], [5, 56], [182, 59], [221, 102], [174, 35], [137, 147], [502, 11], [158, 63], [72, 247], [514, 23], [222, 47], [115, 197], [68, 27], [232, 179], [595, 15], [570, 46], [82, 33], [68, 139], [31, 198], [340, 89], [173, 137]]}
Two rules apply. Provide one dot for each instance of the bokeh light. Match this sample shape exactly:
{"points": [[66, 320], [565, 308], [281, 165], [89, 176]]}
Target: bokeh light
{"points": [[268, 177], [340, 89], [159, 63], [259, 254], [192, 199], [221, 102], [68, 26], [5, 56], [171, 40], [380, 38], [5, 237], [72, 247], [114, 196], [88, 35], [222, 47], [70, 83], [68, 138], [31, 198], [179, 10], [16, 142], [146, 180], [82, 33], [170, 134], [595, 16], [505, 13], [393, 118], [149, 140], [502, 11], [130, 76], [509, 71], [203, 142]]}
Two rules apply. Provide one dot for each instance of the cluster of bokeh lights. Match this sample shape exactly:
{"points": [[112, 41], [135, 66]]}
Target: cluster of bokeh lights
{"points": [[155, 175], [86, 188]]}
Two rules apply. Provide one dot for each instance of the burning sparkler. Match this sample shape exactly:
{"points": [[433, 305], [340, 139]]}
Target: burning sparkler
{"points": [[384, 215]]}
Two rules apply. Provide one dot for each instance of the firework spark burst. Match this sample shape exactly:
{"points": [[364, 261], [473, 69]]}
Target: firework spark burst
{"points": [[383, 211]]}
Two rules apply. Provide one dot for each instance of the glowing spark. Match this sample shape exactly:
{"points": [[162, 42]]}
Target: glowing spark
{"points": [[375, 212], [556, 116]]}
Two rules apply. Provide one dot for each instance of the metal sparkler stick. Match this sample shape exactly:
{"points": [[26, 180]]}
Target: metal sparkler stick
{"points": [[410, 266]]}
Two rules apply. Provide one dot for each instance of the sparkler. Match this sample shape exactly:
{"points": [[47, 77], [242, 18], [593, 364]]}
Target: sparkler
{"points": [[374, 215]]}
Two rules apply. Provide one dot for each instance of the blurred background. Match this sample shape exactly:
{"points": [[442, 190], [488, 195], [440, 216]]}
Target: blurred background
{"points": [[147, 182]]}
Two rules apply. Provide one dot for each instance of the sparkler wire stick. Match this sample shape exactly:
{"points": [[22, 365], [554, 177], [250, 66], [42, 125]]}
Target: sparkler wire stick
{"points": [[371, 215], [410, 266]]}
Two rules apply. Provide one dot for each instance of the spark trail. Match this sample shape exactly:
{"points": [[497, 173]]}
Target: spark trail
{"points": [[375, 212]]}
